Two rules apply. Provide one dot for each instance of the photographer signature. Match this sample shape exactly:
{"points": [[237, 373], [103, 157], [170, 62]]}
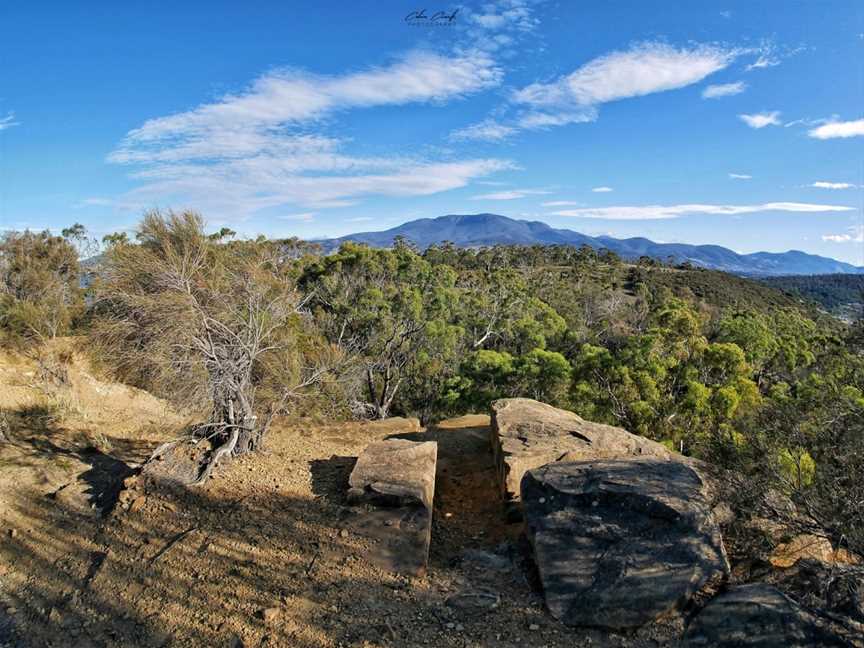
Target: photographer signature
{"points": [[438, 18]]}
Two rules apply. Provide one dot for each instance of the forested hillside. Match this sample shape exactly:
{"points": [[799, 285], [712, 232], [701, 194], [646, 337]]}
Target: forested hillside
{"points": [[718, 367], [840, 294]]}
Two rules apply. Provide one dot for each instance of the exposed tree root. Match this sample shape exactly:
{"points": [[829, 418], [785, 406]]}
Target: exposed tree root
{"points": [[225, 449]]}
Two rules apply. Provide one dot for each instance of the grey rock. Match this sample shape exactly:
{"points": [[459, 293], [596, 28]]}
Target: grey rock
{"points": [[528, 434], [757, 616], [395, 480], [620, 543], [485, 560], [474, 602]]}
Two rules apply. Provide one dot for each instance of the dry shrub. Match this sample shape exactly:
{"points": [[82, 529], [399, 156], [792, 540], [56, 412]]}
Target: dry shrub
{"points": [[207, 325]]}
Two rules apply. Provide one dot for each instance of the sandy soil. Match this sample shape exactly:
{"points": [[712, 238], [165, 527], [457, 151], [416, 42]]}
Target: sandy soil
{"points": [[259, 556]]}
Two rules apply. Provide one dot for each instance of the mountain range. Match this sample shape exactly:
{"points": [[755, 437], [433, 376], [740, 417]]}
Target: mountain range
{"points": [[478, 230]]}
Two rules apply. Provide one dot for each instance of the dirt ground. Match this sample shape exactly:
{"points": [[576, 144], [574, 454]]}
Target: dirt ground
{"points": [[258, 556]]}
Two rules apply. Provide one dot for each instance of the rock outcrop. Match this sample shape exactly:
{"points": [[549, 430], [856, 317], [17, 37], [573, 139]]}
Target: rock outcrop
{"points": [[394, 481], [757, 615], [619, 543], [528, 434]]}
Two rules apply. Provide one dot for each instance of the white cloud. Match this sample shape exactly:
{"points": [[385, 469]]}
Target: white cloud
{"points": [[513, 194], [740, 176], [764, 61], [761, 120], [838, 129], [602, 189], [821, 184], [8, 121], [855, 234], [657, 212], [235, 190], [501, 16], [641, 70], [239, 124], [259, 149], [723, 90], [560, 203], [537, 120], [488, 130]]}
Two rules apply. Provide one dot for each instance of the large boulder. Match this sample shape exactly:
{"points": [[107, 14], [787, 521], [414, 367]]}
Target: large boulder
{"points": [[393, 481], [757, 615], [620, 543], [528, 434]]}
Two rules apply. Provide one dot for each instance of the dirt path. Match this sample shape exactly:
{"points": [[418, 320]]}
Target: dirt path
{"points": [[468, 507], [259, 556]]}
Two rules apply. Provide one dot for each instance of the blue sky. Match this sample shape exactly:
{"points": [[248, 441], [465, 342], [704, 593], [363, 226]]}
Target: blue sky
{"points": [[736, 123]]}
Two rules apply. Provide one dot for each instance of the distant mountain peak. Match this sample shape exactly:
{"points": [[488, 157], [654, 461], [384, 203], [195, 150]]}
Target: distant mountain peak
{"points": [[485, 229]]}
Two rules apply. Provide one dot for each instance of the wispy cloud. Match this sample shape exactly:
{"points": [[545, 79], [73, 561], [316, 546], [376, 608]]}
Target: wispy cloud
{"points": [[764, 61], [839, 129], [854, 234], [513, 194], [259, 149], [488, 130], [761, 120], [643, 69], [740, 176], [501, 16], [602, 189], [8, 121], [821, 184], [723, 90], [560, 203], [252, 120], [658, 212], [234, 191]]}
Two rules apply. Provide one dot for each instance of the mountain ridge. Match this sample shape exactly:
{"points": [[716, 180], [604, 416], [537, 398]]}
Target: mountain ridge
{"points": [[485, 229]]}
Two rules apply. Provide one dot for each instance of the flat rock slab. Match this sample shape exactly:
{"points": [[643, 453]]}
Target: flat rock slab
{"points": [[754, 616], [395, 480], [527, 434], [620, 543]]}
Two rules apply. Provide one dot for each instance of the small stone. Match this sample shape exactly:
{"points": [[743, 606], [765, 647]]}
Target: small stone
{"points": [[270, 615], [13, 533], [54, 616], [137, 504], [459, 627], [343, 533], [533, 627], [542, 500], [451, 626]]}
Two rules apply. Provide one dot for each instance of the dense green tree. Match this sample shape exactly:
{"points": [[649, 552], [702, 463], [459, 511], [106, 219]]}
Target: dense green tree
{"points": [[391, 311]]}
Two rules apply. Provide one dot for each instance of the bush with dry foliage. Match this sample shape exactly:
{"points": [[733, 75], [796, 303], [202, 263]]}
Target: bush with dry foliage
{"points": [[40, 293], [207, 324]]}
